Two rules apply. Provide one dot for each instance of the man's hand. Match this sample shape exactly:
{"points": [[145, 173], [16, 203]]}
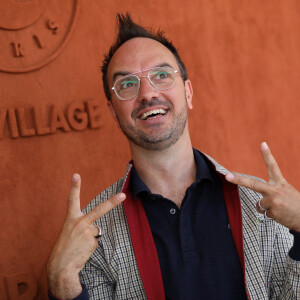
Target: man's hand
{"points": [[75, 244], [280, 201]]}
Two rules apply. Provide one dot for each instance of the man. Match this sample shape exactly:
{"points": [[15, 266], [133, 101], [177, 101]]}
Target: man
{"points": [[185, 229]]}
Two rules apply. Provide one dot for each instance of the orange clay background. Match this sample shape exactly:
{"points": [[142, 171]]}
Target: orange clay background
{"points": [[242, 58]]}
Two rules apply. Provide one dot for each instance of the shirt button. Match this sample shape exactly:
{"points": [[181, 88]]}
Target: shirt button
{"points": [[172, 211]]}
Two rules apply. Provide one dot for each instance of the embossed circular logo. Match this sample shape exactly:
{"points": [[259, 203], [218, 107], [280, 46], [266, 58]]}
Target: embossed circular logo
{"points": [[33, 32]]}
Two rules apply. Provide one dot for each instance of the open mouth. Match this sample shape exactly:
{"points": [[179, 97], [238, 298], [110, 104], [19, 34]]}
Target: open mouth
{"points": [[153, 113]]}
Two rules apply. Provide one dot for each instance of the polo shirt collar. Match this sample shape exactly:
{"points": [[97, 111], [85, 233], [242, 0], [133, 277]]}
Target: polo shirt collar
{"points": [[203, 172]]}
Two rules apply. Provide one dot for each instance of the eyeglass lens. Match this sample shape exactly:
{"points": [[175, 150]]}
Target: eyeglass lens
{"points": [[161, 78]]}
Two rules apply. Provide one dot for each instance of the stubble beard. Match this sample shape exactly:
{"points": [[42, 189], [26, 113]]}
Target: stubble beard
{"points": [[158, 139]]}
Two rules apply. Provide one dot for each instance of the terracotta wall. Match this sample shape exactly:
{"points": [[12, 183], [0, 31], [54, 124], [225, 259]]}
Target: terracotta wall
{"points": [[242, 58]]}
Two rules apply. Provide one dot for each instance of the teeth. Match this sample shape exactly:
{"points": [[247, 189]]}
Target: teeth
{"points": [[153, 112]]}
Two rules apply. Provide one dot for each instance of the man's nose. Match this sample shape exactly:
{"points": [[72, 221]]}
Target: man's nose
{"points": [[147, 90]]}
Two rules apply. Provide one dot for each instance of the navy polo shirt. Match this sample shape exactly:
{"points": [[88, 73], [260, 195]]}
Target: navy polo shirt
{"points": [[196, 251]]}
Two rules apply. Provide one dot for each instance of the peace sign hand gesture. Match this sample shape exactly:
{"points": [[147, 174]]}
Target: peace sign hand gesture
{"points": [[77, 241], [281, 201]]}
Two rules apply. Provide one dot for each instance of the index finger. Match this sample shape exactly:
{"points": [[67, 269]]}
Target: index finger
{"points": [[104, 207], [248, 182], [74, 197]]}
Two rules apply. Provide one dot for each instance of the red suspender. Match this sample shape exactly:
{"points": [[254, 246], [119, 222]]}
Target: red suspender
{"points": [[143, 245], [234, 212]]}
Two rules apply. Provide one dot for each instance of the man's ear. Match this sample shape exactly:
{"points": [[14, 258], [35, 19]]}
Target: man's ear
{"points": [[189, 93], [112, 112]]}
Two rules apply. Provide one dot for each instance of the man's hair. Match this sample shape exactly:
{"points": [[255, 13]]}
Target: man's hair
{"points": [[129, 30]]}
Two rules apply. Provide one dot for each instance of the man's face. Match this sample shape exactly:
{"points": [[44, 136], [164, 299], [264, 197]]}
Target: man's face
{"points": [[167, 110]]}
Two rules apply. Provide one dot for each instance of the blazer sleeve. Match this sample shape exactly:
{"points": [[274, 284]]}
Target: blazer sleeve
{"points": [[96, 283], [285, 280]]}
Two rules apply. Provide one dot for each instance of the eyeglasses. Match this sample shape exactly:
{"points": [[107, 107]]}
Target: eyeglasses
{"points": [[161, 78]]}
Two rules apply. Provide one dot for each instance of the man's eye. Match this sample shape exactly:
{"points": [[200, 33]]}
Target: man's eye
{"points": [[128, 84], [161, 75]]}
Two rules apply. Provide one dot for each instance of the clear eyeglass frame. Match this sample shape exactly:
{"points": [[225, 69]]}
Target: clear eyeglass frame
{"points": [[134, 82]]}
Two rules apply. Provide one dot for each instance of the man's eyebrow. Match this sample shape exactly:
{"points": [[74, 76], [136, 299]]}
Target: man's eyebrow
{"points": [[165, 65], [124, 73], [119, 74]]}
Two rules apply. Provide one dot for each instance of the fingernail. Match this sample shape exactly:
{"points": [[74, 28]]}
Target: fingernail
{"points": [[121, 197], [75, 177], [264, 146], [229, 176]]}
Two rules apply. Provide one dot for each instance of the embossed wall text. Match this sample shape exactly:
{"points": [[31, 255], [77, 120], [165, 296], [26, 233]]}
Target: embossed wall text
{"points": [[33, 32], [34, 121], [18, 286]]}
